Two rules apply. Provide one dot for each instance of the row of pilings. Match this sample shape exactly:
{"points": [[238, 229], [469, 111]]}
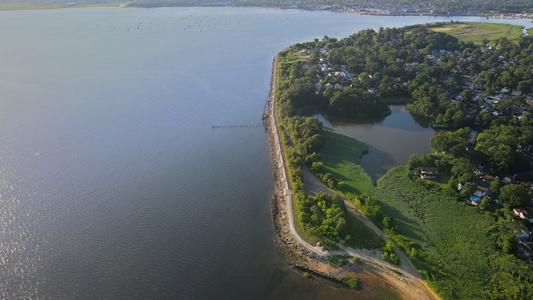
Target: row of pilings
{"points": [[238, 126]]}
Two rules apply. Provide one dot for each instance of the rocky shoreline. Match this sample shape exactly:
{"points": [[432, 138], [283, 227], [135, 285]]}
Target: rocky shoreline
{"points": [[298, 257], [374, 274]]}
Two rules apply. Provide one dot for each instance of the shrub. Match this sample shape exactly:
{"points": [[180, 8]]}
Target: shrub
{"points": [[351, 282], [389, 254]]}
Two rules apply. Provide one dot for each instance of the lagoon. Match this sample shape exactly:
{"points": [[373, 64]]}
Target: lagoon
{"points": [[114, 183], [391, 139]]}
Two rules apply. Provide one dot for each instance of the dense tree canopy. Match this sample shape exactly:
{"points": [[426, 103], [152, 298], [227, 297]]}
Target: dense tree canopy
{"points": [[514, 195]]}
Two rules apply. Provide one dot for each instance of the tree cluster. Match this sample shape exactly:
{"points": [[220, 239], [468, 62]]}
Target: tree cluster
{"points": [[323, 216]]}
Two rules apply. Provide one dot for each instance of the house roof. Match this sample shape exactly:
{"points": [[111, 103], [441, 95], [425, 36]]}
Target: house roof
{"points": [[482, 188], [489, 177], [520, 211], [429, 170]]}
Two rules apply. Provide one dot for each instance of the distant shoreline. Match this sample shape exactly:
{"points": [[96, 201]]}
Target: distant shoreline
{"points": [[7, 6]]}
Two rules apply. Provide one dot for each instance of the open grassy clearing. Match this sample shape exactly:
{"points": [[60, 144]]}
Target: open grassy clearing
{"points": [[361, 235], [477, 32], [342, 158]]}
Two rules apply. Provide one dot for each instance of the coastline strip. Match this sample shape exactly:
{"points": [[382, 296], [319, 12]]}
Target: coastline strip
{"points": [[282, 181]]}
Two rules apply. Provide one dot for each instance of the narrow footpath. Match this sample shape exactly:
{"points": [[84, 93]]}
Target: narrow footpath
{"points": [[284, 192], [406, 280]]}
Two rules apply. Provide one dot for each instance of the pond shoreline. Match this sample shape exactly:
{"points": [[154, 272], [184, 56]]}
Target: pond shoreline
{"points": [[313, 263]]}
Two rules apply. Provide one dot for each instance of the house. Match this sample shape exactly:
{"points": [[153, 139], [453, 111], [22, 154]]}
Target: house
{"points": [[481, 191], [318, 86], [522, 214], [488, 178], [525, 250], [523, 238], [429, 172]]}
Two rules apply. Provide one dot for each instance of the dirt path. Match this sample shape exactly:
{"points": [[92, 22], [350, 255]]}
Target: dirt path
{"points": [[404, 279], [284, 190], [409, 284]]}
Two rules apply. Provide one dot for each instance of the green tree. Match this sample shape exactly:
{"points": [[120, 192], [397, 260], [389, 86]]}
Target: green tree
{"points": [[468, 95], [455, 143], [314, 57], [514, 195], [463, 169], [468, 189], [495, 187]]}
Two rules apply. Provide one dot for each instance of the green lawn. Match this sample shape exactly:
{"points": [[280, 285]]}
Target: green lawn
{"points": [[341, 157], [477, 32]]}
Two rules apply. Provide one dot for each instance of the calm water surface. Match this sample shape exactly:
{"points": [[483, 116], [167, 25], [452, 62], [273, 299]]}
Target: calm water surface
{"points": [[391, 139], [113, 183]]}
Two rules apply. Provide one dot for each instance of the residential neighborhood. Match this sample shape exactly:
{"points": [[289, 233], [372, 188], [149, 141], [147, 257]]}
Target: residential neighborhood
{"points": [[476, 90]]}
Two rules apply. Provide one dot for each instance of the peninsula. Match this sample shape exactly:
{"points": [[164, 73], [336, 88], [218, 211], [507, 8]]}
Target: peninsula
{"points": [[439, 208], [379, 277]]}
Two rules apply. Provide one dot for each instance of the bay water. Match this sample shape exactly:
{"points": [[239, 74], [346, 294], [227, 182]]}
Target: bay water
{"points": [[116, 181]]}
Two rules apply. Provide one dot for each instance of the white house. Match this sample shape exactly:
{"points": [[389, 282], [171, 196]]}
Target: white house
{"points": [[523, 214]]}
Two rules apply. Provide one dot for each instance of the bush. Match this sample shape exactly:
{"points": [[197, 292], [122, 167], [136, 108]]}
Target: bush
{"points": [[389, 254], [351, 282]]}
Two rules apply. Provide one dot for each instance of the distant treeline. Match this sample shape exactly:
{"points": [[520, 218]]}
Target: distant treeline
{"points": [[401, 6]]}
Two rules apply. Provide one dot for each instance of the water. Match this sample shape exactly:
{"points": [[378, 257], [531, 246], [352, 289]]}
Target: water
{"points": [[113, 183], [390, 139]]}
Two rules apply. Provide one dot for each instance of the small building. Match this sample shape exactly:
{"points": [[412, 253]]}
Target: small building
{"points": [[429, 172], [481, 191], [373, 90], [525, 250], [488, 178], [523, 214], [523, 238]]}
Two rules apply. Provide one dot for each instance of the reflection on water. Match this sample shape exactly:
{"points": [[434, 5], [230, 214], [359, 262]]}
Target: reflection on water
{"points": [[113, 183], [391, 139]]}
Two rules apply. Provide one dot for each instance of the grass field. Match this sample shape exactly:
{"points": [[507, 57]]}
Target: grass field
{"points": [[341, 157], [477, 32], [362, 236], [452, 238]]}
